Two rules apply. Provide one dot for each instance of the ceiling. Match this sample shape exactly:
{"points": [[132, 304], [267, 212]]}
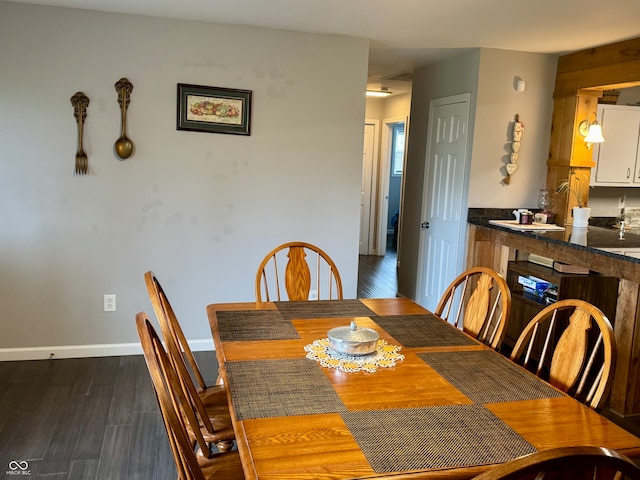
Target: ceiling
{"points": [[406, 34]]}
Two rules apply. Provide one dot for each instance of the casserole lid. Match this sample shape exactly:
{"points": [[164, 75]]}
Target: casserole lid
{"points": [[353, 334]]}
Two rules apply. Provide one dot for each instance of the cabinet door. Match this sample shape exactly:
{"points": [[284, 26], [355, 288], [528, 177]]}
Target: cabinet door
{"points": [[616, 157]]}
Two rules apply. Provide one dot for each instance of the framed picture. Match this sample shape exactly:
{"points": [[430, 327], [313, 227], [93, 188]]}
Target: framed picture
{"points": [[214, 109]]}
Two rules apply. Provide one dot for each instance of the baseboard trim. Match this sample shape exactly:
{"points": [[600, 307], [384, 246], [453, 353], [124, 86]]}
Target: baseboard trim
{"points": [[83, 351]]}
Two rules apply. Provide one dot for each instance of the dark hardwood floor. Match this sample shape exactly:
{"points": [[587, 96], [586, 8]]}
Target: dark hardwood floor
{"points": [[84, 419], [97, 418], [377, 277]]}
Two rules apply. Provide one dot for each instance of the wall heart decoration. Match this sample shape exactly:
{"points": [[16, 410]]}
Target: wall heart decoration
{"points": [[518, 130]]}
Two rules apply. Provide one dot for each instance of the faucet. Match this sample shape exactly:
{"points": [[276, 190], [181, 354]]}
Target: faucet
{"points": [[623, 221]]}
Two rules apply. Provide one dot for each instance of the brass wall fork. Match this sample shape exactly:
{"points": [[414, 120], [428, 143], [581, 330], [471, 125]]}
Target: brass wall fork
{"points": [[80, 103]]}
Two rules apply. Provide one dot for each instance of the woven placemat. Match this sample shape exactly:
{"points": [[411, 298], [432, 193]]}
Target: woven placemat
{"points": [[323, 309], [423, 438], [426, 330], [254, 325], [487, 377], [276, 388]]}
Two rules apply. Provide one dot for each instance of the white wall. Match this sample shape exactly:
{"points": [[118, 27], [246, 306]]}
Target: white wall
{"points": [[488, 76], [200, 209], [498, 103], [450, 77], [603, 201]]}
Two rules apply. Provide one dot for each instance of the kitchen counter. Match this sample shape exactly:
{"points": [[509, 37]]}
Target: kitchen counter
{"points": [[494, 246], [593, 239]]}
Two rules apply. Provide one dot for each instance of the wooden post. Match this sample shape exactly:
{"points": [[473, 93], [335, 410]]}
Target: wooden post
{"points": [[581, 77]]}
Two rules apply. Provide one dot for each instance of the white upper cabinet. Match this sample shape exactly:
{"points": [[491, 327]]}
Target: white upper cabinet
{"points": [[618, 159]]}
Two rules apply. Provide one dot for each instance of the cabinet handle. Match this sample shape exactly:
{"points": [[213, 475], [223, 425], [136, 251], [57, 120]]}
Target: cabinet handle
{"points": [[628, 172]]}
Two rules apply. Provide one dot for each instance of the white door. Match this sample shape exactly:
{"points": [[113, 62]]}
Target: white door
{"points": [[442, 244], [366, 228]]}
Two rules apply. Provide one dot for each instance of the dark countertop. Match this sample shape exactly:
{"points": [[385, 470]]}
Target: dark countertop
{"points": [[592, 238]]}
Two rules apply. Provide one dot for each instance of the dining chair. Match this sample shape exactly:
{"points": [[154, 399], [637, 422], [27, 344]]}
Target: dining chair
{"points": [[170, 325], [174, 409], [586, 462], [307, 271], [479, 302], [209, 401], [570, 344]]}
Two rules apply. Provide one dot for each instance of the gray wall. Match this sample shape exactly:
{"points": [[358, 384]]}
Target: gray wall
{"points": [[200, 209], [451, 77], [497, 104], [488, 75]]}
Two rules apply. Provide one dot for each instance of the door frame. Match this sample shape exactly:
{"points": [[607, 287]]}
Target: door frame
{"points": [[462, 229], [374, 183], [385, 178]]}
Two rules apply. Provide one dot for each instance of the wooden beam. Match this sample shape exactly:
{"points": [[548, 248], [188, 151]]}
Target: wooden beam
{"points": [[601, 67]]}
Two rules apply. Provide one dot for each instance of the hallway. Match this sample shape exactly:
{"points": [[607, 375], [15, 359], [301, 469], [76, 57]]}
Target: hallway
{"points": [[377, 276]]}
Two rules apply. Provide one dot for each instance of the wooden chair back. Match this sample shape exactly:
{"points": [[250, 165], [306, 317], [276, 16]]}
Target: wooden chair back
{"points": [[170, 326], [179, 354], [570, 344], [479, 302], [171, 399], [293, 270], [593, 463]]}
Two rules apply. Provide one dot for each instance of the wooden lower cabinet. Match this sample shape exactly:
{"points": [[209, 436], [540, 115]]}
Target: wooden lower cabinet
{"points": [[599, 290]]}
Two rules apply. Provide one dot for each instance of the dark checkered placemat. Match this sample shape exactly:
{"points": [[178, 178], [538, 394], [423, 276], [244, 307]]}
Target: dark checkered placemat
{"points": [[427, 330], [275, 388], [488, 377], [254, 325], [423, 438], [323, 309]]}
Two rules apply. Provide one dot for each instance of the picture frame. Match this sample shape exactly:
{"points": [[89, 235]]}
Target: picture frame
{"points": [[214, 109]]}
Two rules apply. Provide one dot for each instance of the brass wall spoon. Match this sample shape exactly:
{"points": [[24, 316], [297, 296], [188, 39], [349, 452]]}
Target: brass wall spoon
{"points": [[123, 145]]}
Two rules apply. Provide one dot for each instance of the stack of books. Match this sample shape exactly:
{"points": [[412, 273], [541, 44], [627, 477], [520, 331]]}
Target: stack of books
{"points": [[566, 268], [540, 260]]}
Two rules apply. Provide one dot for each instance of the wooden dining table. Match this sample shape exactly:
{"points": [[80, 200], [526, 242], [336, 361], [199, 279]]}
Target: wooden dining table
{"points": [[432, 402]]}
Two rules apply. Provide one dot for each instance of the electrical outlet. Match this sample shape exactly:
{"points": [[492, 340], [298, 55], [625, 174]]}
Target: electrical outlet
{"points": [[621, 202], [110, 303], [313, 295]]}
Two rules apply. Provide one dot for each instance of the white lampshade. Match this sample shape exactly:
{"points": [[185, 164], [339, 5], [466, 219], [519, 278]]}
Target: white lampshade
{"points": [[595, 134]]}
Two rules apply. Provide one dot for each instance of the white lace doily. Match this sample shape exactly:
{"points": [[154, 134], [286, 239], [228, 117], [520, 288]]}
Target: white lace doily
{"points": [[385, 356]]}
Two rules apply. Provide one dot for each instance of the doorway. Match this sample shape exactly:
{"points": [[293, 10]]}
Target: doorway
{"points": [[392, 161], [367, 188], [377, 270]]}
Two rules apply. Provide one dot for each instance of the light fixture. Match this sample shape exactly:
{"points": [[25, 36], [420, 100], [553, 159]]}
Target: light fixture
{"points": [[591, 131], [383, 92]]}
